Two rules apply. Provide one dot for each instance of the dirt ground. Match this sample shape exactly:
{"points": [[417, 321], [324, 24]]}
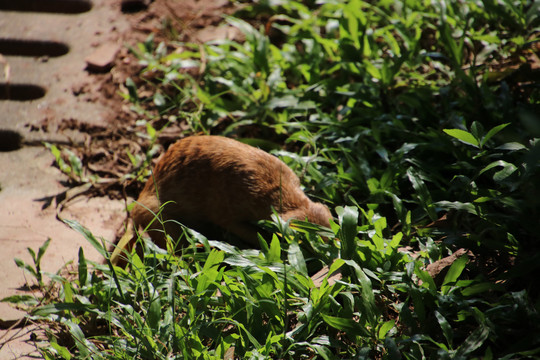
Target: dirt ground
{"points": [[84, 112]]}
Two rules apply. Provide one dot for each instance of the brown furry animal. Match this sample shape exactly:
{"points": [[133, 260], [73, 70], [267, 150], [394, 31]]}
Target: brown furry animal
{"points": [[214, 182]]}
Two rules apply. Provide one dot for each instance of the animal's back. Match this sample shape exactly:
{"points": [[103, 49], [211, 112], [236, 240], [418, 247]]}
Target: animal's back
{"points": [[212, 180]]}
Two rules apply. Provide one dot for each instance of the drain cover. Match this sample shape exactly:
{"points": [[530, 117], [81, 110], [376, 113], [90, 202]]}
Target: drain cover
{"points": [[10, 140], [35, 48], [21, 92], [12, 87], [49, 6]]}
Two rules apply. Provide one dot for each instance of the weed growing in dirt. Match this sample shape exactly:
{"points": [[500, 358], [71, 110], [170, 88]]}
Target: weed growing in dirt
{"points": [[416, 121]]}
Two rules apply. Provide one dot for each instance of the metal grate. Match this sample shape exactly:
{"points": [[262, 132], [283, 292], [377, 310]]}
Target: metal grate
{"points": [[36, 48], [48, 6], [10, 88], [21, 92]]}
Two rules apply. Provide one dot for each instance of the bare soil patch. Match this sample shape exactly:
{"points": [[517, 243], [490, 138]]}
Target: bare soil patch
{"points": [[105, 149]]}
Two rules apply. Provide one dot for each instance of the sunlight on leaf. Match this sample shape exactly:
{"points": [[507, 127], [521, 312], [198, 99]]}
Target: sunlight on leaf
{"points": [[463, 136]]}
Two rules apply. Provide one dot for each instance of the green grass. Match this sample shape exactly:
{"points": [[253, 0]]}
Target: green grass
{"points": [[415, 121]]}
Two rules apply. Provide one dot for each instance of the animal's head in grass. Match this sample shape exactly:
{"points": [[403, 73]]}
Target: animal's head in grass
{"points": [[215, 184]]}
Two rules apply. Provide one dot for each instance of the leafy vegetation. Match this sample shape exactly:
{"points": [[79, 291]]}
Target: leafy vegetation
{"points": [[416, 121]]}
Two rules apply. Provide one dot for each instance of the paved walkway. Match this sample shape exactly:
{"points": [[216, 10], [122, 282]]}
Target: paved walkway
{"points": [[27, 174]]}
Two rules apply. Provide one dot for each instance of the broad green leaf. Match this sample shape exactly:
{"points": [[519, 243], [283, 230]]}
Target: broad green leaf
{"points": [[427, 280], [396, 240], [473, 342], [348, 219], [57, 308], [481, 288], [368, 298], [296, 258], [477, 130], [372, 69], [386, 327], [68, 292], [21, 299], [82, 268], [346, 325], [453, 48], [492, 133], [511, 146], [132, 90], [456, 205], [274, 252], [356, 20], [463, 136], [85, 347], [324, 352], [215, 258], [454, 272], [392, 348], [21, 264], [288, 101], [243, 26], [42, 250], [419, 303], [225, 247], [87, 235], [446, 327], [338, 263], [32, 254], [209, 274], [245, 331], [422, 191], [150, 130], [66, 169], [154, 313], [76, 163], [62, 350], [501, 175], [203, 96]]}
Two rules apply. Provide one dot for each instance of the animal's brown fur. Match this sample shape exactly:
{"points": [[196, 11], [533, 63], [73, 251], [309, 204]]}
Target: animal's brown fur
{"points": [[213, 181]]}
